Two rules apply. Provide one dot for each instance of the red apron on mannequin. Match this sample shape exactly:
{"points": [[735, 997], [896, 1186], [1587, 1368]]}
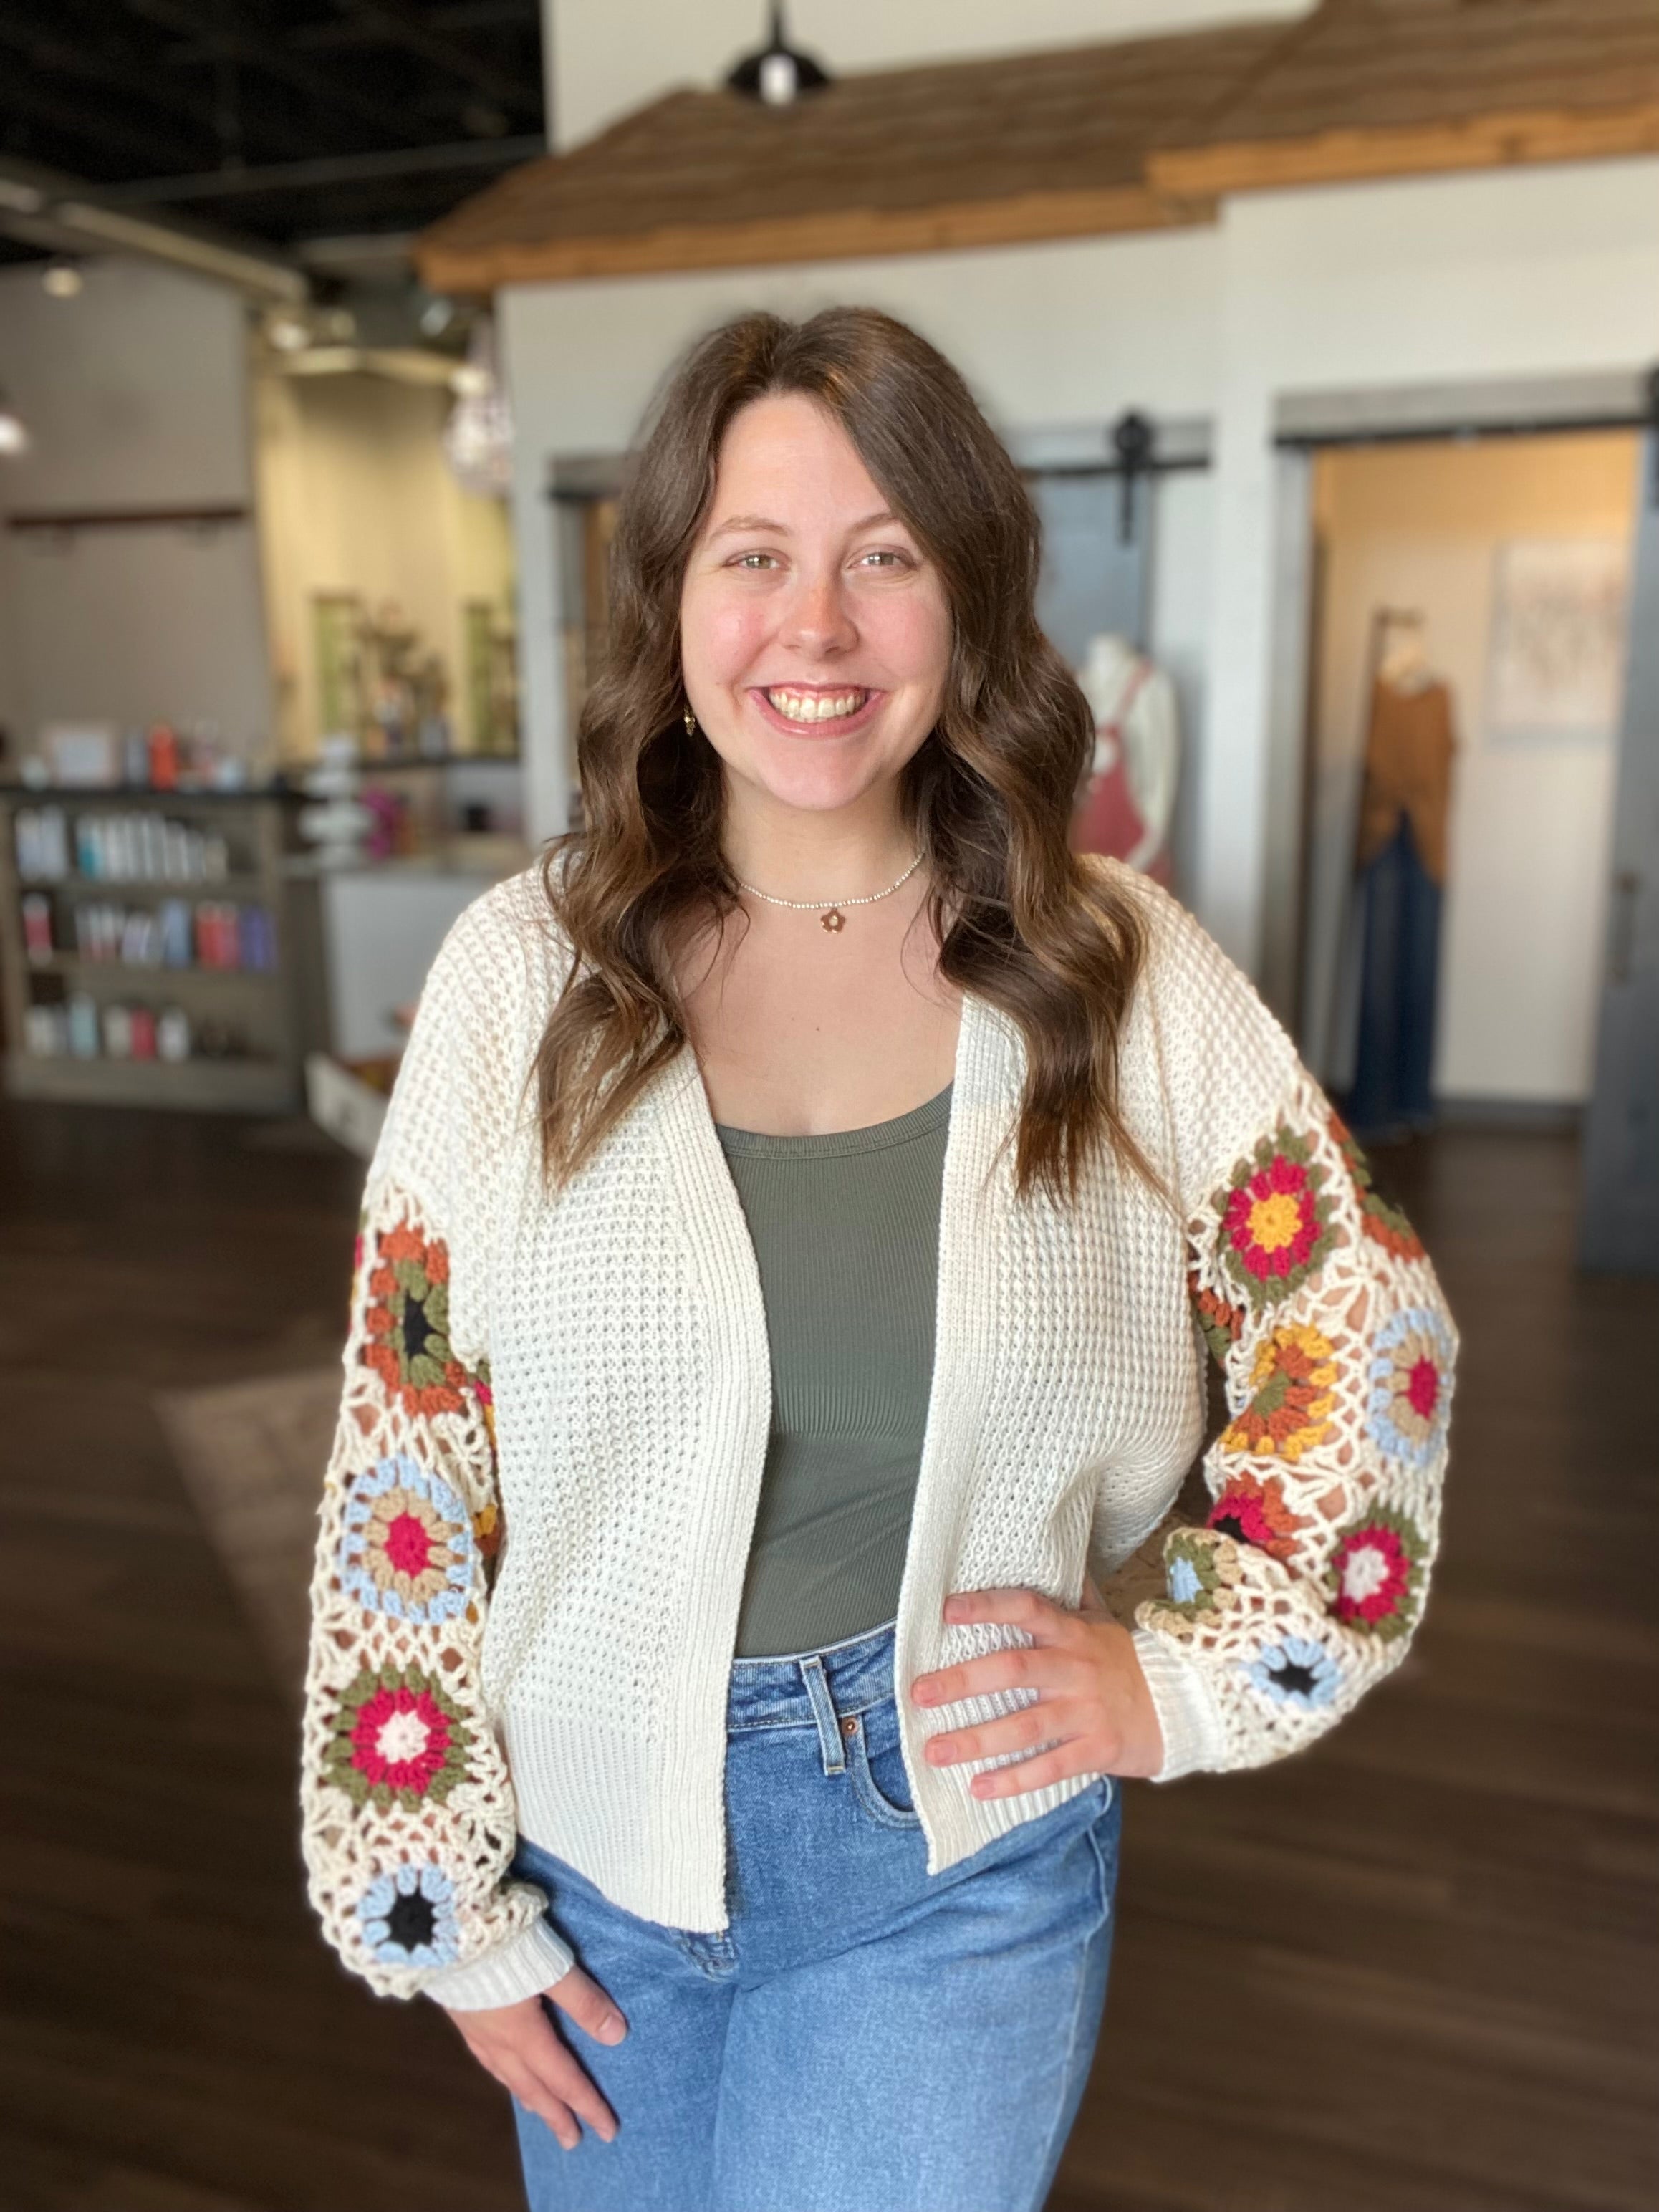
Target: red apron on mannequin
{"points": [[1106, 818]]}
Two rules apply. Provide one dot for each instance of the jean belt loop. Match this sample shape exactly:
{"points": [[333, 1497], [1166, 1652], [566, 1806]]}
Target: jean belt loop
{"points": [[824, 1712]]}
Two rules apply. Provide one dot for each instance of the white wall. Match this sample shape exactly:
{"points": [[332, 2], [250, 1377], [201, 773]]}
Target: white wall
{"points": [[135, 396], [1421, 526], [602, 61]]}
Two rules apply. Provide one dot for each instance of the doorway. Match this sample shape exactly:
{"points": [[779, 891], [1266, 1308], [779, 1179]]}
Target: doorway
{"points": [[1507, 556]]}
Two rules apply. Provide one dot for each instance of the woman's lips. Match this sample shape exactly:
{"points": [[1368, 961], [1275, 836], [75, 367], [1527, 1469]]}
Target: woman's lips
{"points": [[838, 726]]}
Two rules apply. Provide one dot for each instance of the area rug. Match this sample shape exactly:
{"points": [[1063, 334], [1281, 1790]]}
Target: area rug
{"points": [[253, 1456]]}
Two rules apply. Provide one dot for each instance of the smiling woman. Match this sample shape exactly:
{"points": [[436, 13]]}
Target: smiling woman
{"points": [[786, 1265]]}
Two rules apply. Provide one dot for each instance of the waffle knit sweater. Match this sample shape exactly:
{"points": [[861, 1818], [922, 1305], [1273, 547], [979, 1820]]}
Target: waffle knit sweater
{"points": [[538, 1509]]}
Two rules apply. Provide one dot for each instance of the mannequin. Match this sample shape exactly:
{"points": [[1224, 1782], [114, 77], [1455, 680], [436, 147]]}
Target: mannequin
{"points": [[1404, 662], [1404, 810], [1128, 796]]}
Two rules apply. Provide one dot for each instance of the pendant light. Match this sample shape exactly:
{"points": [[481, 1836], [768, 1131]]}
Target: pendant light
{"points": [[13, 437], [477, 439], [777, 72]]}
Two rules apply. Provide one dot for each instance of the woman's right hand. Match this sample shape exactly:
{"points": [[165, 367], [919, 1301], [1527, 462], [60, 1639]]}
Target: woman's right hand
{"points": [[521, 2047]]}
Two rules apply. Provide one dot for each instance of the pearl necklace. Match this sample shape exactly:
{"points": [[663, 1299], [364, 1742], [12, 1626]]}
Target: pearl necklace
{"points": [[832, 918]]}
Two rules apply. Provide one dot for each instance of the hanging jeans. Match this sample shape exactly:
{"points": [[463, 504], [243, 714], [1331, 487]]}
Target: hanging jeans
{"points": [[1399, 980], [860, 2038]]}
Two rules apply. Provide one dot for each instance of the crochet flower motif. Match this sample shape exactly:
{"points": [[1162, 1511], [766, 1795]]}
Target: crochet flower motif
{"points": [[1253, 1509], [1375, 1573], [1295, 1671], [1201, 1573], [406, 1548], [1222, 1324], [1276, 1221], [399, 1739], [1410, 1400], [408, 1918], [1385, 1224], [407, 1322], [1291, 1386]]}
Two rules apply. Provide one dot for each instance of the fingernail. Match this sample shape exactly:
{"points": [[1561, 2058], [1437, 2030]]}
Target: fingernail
{"points": [[612, 2028], [921, 1696]]}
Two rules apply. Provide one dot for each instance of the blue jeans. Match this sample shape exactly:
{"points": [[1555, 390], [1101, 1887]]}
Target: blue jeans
{"points": [[1399, 984], [860, 2038]]}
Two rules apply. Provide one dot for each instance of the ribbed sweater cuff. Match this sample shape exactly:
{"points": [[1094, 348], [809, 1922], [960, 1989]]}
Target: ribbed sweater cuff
{"points": [[1193, 1738], [506, 1975]]}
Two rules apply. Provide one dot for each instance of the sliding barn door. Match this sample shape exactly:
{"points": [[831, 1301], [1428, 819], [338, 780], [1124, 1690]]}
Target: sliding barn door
{"points": [[1620, 1231]]}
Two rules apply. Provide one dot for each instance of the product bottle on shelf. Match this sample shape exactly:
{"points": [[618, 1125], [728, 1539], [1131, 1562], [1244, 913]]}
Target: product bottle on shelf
{"points": [[83, 1026], [37, 926], [172, 1034], [163, 757]]}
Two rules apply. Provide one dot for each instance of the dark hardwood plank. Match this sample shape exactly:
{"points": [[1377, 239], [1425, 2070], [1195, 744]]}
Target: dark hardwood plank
{"points": [[1411, 1970]]}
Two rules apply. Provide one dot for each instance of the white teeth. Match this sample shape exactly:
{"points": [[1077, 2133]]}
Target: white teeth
{"points": [[817, 706]]}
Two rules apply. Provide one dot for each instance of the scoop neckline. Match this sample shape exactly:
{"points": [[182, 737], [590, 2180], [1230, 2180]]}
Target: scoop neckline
{"points": [[874, 1136]]}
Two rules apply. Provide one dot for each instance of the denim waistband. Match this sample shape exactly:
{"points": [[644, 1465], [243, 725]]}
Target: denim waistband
{"points": [[785, 1690]]}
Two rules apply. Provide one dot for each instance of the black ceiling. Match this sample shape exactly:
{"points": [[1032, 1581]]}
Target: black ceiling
{"points": [[282, 119]]}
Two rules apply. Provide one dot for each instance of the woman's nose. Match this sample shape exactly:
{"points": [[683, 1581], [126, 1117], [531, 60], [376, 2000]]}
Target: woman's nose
{"points": [[818, 618]]}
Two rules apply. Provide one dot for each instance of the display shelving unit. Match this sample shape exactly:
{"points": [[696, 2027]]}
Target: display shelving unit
{"points": [[273, 1011]]}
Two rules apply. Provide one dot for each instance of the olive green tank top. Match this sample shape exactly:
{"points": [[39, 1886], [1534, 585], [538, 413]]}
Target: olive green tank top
{"points": [[845, 1227]]}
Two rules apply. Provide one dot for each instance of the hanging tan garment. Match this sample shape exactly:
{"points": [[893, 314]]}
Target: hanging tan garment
{"points": [[1408, 759]]}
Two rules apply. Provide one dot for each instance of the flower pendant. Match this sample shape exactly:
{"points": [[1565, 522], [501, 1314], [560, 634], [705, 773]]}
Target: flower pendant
{"points": [[834, 919]]}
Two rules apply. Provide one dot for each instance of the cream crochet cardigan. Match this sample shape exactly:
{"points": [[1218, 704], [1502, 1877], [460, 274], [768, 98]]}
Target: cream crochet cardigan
{"points": [[537, 1511]]}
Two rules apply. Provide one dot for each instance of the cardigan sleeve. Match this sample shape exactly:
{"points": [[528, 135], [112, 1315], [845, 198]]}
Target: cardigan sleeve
{"points": [[408, 1816], [1305, 1583]]}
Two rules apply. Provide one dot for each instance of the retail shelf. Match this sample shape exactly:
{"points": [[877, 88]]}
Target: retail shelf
{"points": [[239, 880], [145, 980], [273, 1016], [250, 1086]]}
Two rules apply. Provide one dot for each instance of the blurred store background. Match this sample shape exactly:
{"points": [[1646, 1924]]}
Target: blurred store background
{"points": [[1327, 335]]}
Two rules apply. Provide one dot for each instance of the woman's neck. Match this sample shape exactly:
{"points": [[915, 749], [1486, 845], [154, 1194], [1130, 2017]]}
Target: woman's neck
{"points": [[801, 852]]}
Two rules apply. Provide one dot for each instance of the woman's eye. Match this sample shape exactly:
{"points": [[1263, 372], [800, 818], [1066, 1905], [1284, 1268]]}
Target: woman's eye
{"points": [[744, 559], [885, 553]]}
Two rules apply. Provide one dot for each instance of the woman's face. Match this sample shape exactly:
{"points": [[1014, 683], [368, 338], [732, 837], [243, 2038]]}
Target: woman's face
{"points": [[815, 634]]}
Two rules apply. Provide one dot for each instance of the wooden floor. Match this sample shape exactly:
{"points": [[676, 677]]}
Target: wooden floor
{"points": [[1413, 1970]]}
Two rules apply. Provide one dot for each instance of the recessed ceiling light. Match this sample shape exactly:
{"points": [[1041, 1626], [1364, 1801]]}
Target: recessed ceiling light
{"points": [[61, 279]]}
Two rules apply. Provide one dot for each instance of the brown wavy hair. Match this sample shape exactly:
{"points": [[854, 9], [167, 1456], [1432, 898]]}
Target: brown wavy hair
{"points": [[988, 796]]}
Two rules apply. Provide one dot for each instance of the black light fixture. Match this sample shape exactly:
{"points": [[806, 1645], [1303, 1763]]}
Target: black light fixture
{"points": [[777, 73]]}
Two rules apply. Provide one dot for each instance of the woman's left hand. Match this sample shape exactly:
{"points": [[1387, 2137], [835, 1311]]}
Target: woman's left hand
{"points": [[1092, 1709]]}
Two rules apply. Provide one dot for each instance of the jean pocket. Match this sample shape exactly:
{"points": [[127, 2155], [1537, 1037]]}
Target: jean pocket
{"points": [[875, 1759]]}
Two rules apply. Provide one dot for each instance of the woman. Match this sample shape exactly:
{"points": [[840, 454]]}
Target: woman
{"points": [[776, 1289]]}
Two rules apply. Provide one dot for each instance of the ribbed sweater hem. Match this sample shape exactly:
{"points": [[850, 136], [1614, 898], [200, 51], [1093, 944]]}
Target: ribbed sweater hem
{"points": [[1193, 1738], [532, 1962]]}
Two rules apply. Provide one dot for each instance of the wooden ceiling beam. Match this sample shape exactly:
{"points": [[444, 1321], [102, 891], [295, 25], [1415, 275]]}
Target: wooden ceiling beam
{"points": [[1351, 157], [1143, 134], [1021, 218]]}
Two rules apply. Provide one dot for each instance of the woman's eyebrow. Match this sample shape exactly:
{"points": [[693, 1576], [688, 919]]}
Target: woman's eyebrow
{"points": [[764, 522]]}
